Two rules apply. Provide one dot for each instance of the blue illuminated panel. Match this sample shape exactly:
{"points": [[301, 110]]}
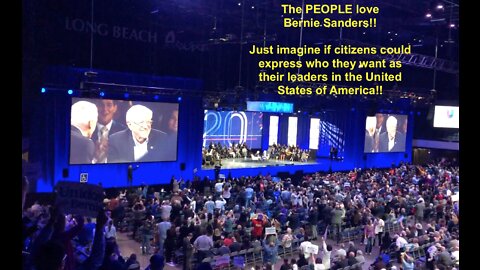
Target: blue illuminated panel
{"points": [[231, 127], [264, 106]]}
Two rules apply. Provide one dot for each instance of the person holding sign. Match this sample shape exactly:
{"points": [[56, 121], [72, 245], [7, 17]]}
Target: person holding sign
{"points": [[270, 249], [258, 223]]}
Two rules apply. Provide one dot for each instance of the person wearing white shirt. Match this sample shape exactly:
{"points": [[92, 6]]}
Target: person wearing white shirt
{"points": [[379, 226], [110, 230], [400, 242], [219, 187], [166, 208], [220, 204], [326, 254]]}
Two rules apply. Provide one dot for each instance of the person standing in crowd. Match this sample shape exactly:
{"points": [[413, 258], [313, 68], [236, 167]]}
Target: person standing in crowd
{"points": [[147, 233], [379, 226], [337, 218], [270, 251], [369, 234], [188, 252]]}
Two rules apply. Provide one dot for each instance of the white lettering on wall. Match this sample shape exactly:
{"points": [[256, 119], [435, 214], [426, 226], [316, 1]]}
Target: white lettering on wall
{"points": [[129, 33], [102, 29]]}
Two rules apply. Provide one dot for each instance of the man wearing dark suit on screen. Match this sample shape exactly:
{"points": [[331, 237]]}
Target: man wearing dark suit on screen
{"points": [[392, 140], [107, 109], [106, 126], [140, 143], [83, 121]]}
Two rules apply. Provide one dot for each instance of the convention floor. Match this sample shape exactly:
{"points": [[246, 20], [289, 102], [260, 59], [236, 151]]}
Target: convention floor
{"points": [[129, 246]]}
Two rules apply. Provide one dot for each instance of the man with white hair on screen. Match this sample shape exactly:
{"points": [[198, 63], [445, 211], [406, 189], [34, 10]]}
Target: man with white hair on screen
{"points": [[140, 142], [370, 125], [392, 140], [83, 120]]}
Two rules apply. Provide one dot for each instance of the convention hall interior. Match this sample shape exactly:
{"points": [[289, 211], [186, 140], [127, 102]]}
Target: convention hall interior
{"points": [[153, 138]]}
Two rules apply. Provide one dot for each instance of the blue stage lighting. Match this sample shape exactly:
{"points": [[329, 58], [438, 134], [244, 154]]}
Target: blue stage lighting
{"points": [[43, 90], [155, 97], [179, 99], [102, 94], [126, 95], [70, 91]]}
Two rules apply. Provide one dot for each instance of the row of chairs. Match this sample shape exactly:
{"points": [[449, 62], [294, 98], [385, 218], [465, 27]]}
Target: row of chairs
{"points": [[250, 256], [253, 256], [392, 227], [354, 233], [357, 266], [419, 253]]}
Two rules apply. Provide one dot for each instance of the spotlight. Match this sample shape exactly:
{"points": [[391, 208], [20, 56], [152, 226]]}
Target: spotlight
{"points": [[70, 91], [428, 15], [155, 97], [179, 99], [102, 94], [43, 90], [452, 25], [439, 6], [126, 95]]}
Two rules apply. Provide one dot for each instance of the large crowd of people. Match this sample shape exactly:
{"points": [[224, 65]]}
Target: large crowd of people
{"points": [[193, 222]]}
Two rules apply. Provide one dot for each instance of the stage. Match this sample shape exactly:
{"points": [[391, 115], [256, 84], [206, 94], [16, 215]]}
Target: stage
{"points": [[240, 167], [241, 163]]}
